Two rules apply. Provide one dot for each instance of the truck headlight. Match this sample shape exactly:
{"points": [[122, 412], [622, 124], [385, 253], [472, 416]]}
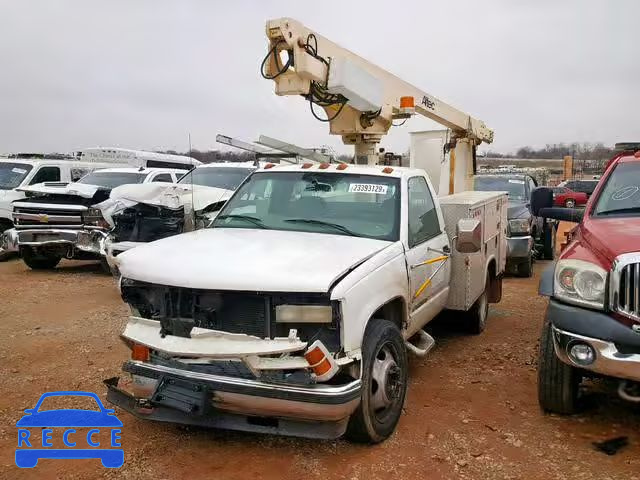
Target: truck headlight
{"points": [[519, 226], [581, 283], [94, 218], [303, 314]]}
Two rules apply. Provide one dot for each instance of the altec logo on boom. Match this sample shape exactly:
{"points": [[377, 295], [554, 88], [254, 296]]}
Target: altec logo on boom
{"points": [[65, 421]]}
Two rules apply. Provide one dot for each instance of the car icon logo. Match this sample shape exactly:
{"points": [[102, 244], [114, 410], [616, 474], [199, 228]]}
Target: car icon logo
{"points": [[43, 218], [65, 423]]}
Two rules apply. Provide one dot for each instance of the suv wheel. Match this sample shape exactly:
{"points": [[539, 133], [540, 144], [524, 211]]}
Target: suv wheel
{"points": [[384, 383], [558, 383]]}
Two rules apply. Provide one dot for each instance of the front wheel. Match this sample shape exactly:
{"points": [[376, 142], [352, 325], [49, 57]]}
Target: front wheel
{"points": [[39, 260], [384, 383], [570, 203], [558, 383]]}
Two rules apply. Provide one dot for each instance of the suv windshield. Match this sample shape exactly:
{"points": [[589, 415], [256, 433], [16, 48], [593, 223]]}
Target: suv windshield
{"points": [[220, 177], [513, 186], [621, 193], [112, 179], [335, 203], [12, 174]]}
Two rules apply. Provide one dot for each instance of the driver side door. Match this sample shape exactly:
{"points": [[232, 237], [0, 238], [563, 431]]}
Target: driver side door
{"points": [[427, 251]]}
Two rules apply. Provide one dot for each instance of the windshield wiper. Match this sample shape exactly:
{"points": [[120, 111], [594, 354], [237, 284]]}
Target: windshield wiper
{"points": [[335, 226], [620, 210], [255, 220]]}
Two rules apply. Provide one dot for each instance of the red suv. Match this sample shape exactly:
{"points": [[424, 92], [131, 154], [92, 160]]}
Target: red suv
{"points": [[565, 197], [592, 325]]}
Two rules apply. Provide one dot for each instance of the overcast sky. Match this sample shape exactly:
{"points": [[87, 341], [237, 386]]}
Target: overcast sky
{"points": [[145, 74]]}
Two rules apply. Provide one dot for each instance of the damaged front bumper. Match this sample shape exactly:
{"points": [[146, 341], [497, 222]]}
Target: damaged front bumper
{"points": [[88, 241], [179, 385], [113, 249]]}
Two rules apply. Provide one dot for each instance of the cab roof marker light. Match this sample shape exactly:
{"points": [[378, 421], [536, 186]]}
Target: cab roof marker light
{"points": [[307, 165], [387, 170], [342, 166], [323, 166], [269, 165]]}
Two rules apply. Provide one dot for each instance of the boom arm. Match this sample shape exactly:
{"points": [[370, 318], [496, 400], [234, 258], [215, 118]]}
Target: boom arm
{"points": [[359, 98]]}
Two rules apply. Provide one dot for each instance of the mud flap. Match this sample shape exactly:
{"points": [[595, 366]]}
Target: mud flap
{"points": [[188, 397]]}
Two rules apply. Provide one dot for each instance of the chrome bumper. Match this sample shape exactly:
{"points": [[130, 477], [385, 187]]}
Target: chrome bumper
{"points": [[9, 241], [608, 361], [91, 241], [232, 402], [519, 247]]}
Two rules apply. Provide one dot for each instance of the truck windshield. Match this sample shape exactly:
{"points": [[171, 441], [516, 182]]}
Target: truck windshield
{"points": [[112, 179], [334, 203], [220, 177], [513, 186], [12, 174], [621, 193]]}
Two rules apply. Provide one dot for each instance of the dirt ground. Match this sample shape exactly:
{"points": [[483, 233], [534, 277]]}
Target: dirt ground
{"points": [[471, 410]]}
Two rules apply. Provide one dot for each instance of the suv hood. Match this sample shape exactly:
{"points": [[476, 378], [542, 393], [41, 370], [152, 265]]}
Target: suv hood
{"points": [[248, 259]]}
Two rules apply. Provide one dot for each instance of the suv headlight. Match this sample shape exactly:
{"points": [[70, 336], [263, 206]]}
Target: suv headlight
{"points": [[581, 283], [519, 226]]}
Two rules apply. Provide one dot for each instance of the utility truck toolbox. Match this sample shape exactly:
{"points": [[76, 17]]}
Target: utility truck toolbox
{"points": [[468, 272]]}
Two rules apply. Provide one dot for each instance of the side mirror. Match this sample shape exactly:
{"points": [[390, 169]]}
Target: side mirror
{"points": [[468, 235], [564, 214], [541, 197]]}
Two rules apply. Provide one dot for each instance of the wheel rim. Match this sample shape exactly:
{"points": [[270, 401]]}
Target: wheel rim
{"points": [[483, 307], [570, 203], [387, 381]]}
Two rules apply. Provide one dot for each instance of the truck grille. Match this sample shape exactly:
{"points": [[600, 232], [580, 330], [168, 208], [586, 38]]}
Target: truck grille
{"points": [[625, 285], [36, 216]]}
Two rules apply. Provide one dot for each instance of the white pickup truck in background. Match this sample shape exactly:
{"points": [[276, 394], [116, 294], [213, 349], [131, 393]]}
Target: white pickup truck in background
{"points": [[294, 312]]}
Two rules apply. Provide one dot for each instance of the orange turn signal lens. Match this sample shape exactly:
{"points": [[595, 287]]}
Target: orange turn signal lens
{"points": [[140, 353], [407, 102], [314, 357]]}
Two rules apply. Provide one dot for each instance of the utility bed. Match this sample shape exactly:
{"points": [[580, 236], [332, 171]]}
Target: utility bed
{"points": [[467, 274]]}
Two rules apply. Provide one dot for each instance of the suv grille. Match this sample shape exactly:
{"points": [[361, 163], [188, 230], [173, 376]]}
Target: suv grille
{"points": [[625, 285]]}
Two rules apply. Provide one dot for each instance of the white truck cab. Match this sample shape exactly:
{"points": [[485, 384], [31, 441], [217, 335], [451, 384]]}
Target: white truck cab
{"points": [[294, 312], [57, 219]]}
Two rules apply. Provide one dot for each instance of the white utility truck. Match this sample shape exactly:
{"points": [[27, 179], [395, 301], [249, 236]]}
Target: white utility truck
{"points": [[294, 312]]}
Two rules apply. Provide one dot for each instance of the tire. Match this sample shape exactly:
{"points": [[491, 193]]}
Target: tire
{"points": [[525, 269], [384, 361], [39, 261], [549, 242], [570, 203], [558, 383], [476, 316]]}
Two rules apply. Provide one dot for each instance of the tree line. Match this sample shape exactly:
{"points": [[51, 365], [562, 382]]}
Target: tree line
{"points": [[583, 151]]}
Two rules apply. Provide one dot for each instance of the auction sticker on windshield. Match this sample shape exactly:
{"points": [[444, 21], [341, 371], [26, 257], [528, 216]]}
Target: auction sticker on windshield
{"points": [[367, 187]]}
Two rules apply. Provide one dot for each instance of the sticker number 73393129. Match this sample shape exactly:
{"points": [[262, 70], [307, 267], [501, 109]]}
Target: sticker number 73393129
{"points": [[367, 187]]}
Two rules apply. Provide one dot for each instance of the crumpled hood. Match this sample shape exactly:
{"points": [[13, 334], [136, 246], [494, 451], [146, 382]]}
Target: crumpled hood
{"points": [[79, 189], [517, 210], [167, 195], [170, 195], [248, 259]]}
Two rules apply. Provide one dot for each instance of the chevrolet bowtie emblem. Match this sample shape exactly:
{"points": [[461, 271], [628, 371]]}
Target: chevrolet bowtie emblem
{"points": [[43, 218]]}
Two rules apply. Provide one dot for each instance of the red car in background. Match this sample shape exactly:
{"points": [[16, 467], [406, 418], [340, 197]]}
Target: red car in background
{"points": [[564, 197]]}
